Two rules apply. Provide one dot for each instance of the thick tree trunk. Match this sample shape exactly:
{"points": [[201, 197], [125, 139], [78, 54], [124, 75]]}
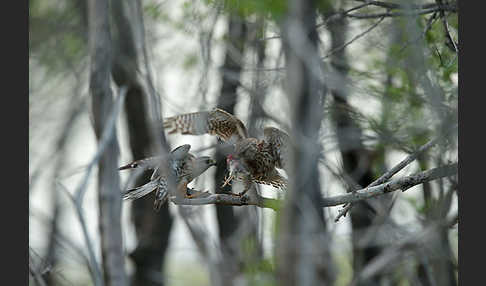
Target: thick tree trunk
{"points": [[230, 73], [356, 159], [152, 228], [303, 248], [108, 179], [258, 96]]}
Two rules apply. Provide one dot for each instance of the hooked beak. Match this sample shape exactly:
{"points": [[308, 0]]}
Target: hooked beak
{"points": [[128, 166]]}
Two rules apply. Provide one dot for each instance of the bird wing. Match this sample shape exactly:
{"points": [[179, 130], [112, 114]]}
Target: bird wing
{"points": [[138, 192], [279, 142], [161, 195], [180, 152], [273, 179], [215, 122], [153, 163], [145, 164]]}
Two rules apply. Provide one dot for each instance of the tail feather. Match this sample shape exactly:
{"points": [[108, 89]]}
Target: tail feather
{"points": [[160, 201], [276, 180], [138, 192], [161, 195]]}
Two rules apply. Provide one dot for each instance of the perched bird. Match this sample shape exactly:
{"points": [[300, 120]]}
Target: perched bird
{"points": [[252, 159], [184, 167]]}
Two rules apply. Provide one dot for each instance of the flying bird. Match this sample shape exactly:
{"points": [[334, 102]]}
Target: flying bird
{"points": [[251, 160], [184, 168]]}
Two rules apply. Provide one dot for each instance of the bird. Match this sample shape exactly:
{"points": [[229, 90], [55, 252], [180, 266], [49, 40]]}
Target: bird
{"points": [[251, 159], [184, 168]]}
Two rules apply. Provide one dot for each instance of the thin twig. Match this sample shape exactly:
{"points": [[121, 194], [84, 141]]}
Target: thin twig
{"points": [[34, 271], [354, 38], [93, 265], [430, 21], [453, 45]]}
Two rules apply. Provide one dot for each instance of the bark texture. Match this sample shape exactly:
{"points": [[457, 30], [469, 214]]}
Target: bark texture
{"points": [[303, 252], [230, 74], [152, 228], [108, 180]]}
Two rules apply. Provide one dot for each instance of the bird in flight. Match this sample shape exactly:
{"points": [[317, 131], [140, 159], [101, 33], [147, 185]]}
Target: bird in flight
{"points": [[252, 159], [184, 168]]}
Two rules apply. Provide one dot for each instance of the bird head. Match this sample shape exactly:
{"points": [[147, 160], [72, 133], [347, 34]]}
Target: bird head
{"points": [[235, 166]]}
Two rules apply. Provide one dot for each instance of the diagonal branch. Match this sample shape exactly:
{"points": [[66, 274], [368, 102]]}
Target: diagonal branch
{"points": [[355, 38], [448, 35], [410, 158], [450, 7], [403, 184]]}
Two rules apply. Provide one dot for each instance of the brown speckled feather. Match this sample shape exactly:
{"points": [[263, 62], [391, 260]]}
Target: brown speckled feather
{"points": [[279, 143], [216, 122], [182, 164], [259, 157], [273, 179]]}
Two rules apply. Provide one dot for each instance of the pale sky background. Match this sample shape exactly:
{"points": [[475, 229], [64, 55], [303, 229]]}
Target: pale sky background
{"points": [[177, 87]]}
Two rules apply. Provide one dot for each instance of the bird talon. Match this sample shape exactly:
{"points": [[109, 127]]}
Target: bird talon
{"points": [[240, 194], [227, 180], [244, 198], [190, 196]]}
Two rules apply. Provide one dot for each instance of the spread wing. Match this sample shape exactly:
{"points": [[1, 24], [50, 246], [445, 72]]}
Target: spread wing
{"points": [[280, 144], [216, 122]]}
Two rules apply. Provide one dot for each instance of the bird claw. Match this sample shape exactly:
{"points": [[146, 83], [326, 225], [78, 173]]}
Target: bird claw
{"points": [[227, 180], [196, 194], [244, 198], [240, 194]]}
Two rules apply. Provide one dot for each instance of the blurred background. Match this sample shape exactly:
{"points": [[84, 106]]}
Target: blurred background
{"points": [[389, 86]]}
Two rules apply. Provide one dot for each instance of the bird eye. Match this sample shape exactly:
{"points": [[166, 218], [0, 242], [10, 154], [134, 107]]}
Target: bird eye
{"points": [[134, 165]]}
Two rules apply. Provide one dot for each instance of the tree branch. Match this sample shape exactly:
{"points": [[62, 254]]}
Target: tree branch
{"points": [[206, 198], [410, 158], [416, 12]]}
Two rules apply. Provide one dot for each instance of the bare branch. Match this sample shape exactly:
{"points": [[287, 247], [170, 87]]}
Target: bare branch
{"points": [[389, 5], [452, 44], [35, 270], [355, 38], [450, 7], [254, 199], [109, 201], [395, 170], [393, 185]]}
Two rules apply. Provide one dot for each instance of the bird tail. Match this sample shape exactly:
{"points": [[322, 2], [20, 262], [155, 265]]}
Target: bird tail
{"points": [[160, 198], [275, 180], [138, 192]]}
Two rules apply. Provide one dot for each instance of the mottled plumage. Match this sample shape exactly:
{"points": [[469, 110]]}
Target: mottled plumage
{"points": [[252, 160], [216, 122], [184, 166]]}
